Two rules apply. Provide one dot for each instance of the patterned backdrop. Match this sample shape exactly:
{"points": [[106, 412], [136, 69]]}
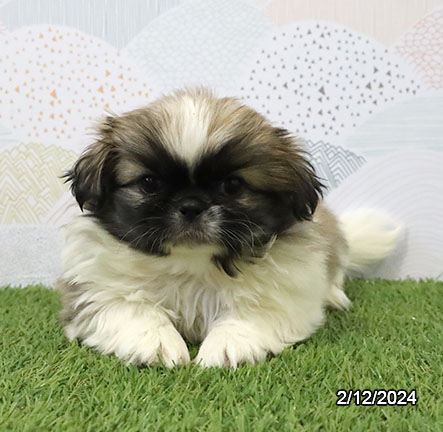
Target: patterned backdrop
{"points": [[360, 81]]}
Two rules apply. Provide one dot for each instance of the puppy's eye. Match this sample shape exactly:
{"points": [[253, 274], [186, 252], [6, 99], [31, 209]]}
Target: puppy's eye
{"points": [[231, 185], [150, 184]]}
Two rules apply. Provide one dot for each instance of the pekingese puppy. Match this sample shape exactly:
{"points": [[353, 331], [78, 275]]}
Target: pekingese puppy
{"points": [[203, 222]]}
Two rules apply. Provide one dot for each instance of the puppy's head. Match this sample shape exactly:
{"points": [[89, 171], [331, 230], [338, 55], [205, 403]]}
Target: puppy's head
{"points": [[193, 169]]}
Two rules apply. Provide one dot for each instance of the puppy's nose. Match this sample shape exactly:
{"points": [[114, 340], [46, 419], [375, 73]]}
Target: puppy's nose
{"points": [[190, 208]]}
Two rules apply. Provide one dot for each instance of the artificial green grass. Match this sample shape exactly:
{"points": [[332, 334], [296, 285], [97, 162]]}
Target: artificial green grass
{"points": [[390, 339]]}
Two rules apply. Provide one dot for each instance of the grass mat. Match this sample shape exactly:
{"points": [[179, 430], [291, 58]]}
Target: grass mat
{"points": [[390, 339]]}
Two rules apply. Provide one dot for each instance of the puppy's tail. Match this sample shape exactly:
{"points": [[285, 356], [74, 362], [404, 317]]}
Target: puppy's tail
{"points": [[371, 235]]}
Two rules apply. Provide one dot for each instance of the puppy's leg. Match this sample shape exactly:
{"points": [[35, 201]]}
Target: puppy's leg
{"points": [[279, 316], [247, 334], [136, 332], [336, 296], [337, 258], [232, 342]]}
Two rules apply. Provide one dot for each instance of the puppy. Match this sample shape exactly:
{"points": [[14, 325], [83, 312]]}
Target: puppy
{"points": [[204, 223]]}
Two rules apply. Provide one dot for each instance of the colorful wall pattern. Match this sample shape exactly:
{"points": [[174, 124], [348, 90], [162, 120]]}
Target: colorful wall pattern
{"points": [[361, 82]]}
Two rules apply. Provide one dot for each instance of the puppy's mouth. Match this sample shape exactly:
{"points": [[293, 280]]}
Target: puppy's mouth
{"points": [[194, 232], [192, 236]]}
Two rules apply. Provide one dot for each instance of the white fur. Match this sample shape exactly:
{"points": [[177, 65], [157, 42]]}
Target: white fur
{"points": [[140, 306], [371, 237], [133, 331], [190, 122]]}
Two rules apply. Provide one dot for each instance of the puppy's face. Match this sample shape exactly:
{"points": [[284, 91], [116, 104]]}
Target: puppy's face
{"points": [[193, 169]]}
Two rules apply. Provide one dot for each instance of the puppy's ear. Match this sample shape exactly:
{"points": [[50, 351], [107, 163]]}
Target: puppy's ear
{"points": [[91, 171], [306, 186]]}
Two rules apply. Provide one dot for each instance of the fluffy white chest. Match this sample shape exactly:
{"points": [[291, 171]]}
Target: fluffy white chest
{"points": [[187, 286]]}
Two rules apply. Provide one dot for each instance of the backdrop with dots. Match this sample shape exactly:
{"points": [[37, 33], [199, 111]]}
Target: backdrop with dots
{"points": [[362, 85]]}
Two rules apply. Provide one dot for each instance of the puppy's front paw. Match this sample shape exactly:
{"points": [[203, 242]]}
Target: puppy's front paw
{"points": [[157, 345], [227, 346], [163, 345]]}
